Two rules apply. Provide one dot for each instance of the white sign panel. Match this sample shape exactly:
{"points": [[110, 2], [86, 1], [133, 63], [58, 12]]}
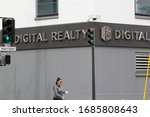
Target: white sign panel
{"points": [[7, 48]]}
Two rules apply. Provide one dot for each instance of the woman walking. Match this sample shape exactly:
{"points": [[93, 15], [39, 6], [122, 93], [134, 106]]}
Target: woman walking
{"points": [[58, 92]]}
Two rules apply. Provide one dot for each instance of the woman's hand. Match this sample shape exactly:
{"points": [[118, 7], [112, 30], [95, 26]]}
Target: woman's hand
{"points": [[63, 98]]}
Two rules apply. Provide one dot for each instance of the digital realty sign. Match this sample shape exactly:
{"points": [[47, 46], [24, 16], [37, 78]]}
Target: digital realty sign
{"points": [[78, 35]]}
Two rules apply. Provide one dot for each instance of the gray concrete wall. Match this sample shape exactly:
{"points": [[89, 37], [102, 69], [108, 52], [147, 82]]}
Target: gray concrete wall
{"points": [[115, 74], [32, 74]]}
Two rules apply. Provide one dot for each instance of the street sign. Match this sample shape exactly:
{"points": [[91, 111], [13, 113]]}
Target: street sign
{"points": [[7, 48]]}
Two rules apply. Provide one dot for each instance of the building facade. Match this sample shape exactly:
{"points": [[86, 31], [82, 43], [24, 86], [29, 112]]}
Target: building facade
{"points": [[52, 40]]}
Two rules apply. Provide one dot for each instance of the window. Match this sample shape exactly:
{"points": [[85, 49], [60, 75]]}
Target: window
{"points": [[142, 7], [47, 8], [141, 63]]}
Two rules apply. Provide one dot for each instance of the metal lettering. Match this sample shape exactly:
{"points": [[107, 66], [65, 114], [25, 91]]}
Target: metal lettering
{"points": [[44, 37], [17, 39], [122, 34], [72, 36], [39, 38], [78, 32], [136, 34], [54, 36], [147, 38], [34, 35], [66, 35], [60, 35], [141, 36], [30, 38], [127, 35], [117, 34], [26, 38], [84, 32], [132, 35]]}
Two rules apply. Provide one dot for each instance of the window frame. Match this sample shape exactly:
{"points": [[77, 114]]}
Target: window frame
{"points": [[46, 16], [140, 15]]}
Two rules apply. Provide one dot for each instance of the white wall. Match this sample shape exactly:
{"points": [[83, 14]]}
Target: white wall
{"points": [[32, 74], [24, 12], [118, 11], [71, 11]]}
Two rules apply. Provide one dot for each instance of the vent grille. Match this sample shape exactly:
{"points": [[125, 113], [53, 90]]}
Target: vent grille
{"points": [[141, 63]]}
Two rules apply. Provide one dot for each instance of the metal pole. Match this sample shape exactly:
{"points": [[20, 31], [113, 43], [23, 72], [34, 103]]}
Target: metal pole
{"points": [[93, 72], [146, 79]]}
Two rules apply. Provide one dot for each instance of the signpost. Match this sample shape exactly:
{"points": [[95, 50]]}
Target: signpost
{"points": [[7, 38]]}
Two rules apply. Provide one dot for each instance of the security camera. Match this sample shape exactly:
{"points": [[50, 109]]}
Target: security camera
{"points": [[92, 18]]}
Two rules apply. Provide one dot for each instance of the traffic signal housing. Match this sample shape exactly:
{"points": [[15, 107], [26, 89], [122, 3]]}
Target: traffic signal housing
{"points": [[91, 35], [4, 59], [8, 30], [7, 59]]}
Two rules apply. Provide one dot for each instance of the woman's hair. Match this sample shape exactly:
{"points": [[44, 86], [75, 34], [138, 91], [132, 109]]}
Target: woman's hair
{"points": [[58, 80]]}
